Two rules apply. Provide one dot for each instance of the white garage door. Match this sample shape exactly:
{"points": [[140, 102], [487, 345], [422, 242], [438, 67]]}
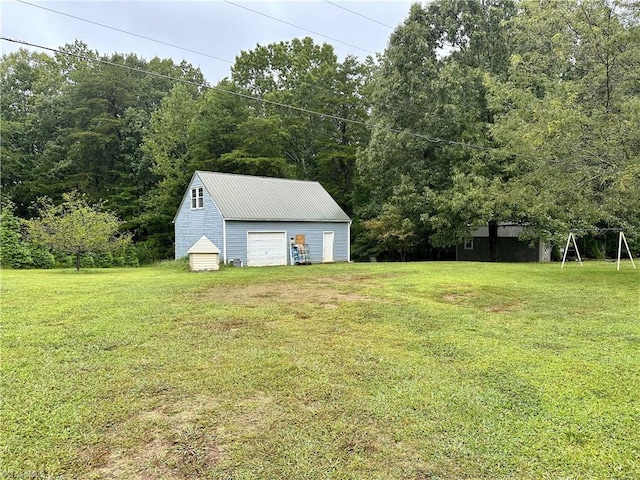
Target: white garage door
{"points": [[266, 248]]}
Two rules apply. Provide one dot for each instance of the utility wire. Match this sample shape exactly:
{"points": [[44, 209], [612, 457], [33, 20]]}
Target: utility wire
{"points": [[206, 54], [58, 12], [359, 14], [125, 31], [450, 45], [205, 85], [253, 97], [299, 27], [369, 125], [199, 85], [292, 107]]}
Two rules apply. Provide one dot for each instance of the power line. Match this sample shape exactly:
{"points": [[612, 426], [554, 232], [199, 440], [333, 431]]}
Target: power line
{"points": [[359, 14], [110, 27], [299, 27], [206, 54], [58, 12], [447, 44], [255, 98], [204, 85], [298, 109], [212, 56], [188, 82], [125, 31]]}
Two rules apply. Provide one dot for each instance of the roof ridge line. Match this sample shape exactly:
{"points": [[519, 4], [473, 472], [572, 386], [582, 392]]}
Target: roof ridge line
{"points": [[257, 176]]}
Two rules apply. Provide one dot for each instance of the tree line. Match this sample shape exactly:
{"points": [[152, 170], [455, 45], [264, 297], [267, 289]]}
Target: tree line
{"points": [[477, 112]]}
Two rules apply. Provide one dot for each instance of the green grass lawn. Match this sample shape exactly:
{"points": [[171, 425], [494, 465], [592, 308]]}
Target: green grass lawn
{"points": [[361, 371]]}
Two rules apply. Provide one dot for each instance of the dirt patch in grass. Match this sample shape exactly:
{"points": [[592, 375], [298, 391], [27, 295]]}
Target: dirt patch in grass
{"points": [[355, 278], [181, 440], [254, 413], [459, 298], [319, 293], [169, 443], [505, 308], [486, 299]]}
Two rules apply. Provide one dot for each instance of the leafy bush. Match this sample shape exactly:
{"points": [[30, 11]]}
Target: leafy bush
{"points": [[87, 261], [103, 259], [151, 251], [63, 260], [131, 256], [17, 257], [118, 260], [593, 248], [41, 257], [14, 251]]}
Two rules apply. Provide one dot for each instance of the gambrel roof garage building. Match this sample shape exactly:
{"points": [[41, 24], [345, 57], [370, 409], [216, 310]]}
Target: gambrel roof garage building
{"points": [[255, 219]]}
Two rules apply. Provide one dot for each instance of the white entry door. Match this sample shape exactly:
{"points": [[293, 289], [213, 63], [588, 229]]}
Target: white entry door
{"points": [[327, 247], [266, 249]]}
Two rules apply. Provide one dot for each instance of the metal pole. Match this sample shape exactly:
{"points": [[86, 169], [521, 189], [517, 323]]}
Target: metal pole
{"points": [[575, 244], [566, 249], [619, 248], [628, 251]]}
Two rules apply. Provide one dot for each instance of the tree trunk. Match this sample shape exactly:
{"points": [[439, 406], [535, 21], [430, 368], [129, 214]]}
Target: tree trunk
{"points": [[78, 256], [493, 241]]}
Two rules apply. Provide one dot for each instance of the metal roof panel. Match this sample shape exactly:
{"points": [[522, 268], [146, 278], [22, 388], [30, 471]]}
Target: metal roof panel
{"points": [[245, 197], [505, 230]]}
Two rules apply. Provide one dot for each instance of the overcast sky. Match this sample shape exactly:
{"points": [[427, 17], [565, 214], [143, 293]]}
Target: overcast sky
{"points": [[216, 28]]}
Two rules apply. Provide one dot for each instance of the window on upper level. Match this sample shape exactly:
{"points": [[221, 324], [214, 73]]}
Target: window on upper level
{"points": [[468, 245], [197, 198]]}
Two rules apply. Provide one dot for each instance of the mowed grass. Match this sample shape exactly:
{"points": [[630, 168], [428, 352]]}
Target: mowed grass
{"points": [[359, 371]]}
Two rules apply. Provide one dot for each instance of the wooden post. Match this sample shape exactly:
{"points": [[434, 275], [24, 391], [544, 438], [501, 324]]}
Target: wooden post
{"points": [[493, 241]]}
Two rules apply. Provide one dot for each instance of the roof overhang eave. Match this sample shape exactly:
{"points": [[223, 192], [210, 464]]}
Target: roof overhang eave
{"points": [[305, 220]]}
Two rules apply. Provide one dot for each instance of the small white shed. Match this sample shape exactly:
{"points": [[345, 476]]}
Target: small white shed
{"points": [[204, 255]]}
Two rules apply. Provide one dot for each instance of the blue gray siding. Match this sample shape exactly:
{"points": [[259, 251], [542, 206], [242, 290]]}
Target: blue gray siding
{"points": [[190, 225], [237, 237]]}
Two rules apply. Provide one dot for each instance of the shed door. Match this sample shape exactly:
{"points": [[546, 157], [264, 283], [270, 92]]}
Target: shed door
{"points": [[266, 249], [327, 247]]}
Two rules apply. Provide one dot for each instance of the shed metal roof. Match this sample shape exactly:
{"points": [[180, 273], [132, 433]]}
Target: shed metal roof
{"points": [[505, 230], [244, 197]]}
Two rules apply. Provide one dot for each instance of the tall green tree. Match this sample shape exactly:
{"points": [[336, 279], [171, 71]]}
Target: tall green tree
{"points": [[475, 193], [559, 123], [347, 132], [166, 157], [32, 87], [77, 120], [216, 124], [570, 105], [403, 94], [436, 109], [406, 124], [111, 103], [310, 78]]}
